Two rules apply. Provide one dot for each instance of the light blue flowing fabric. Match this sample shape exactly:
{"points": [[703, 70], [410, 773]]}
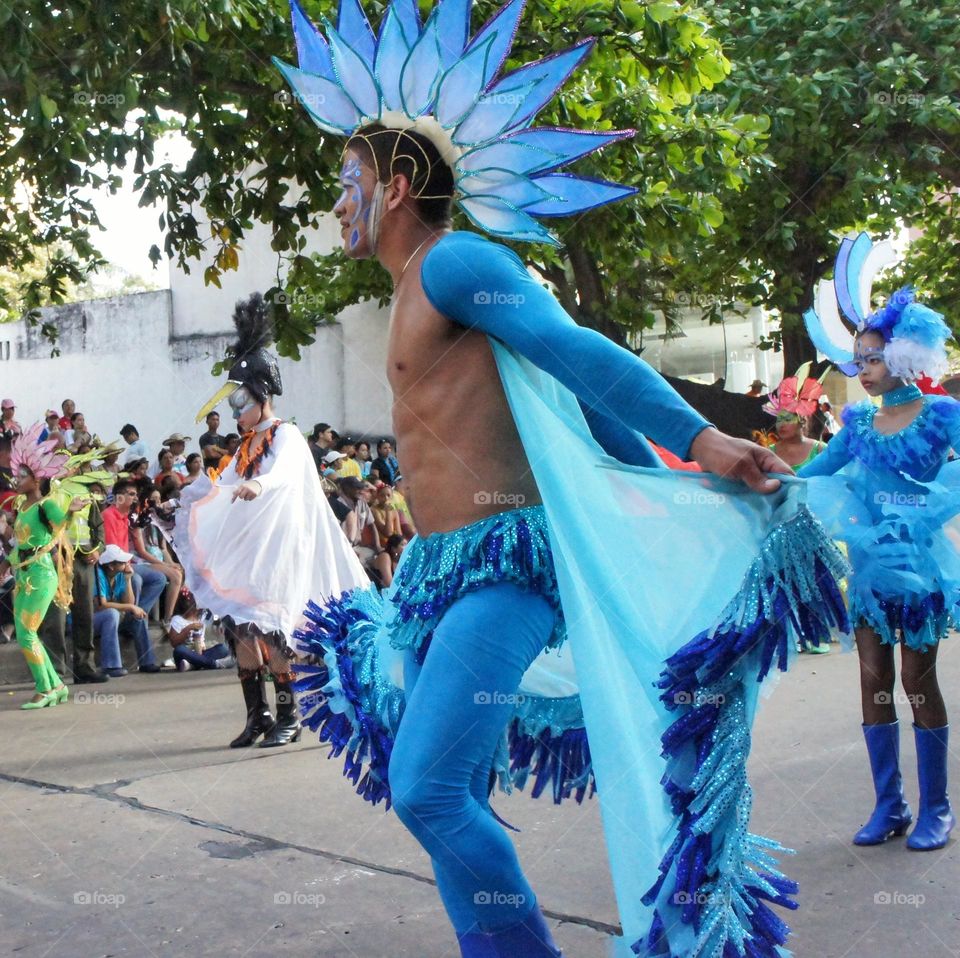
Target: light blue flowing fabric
{"points": [[646, 559]]}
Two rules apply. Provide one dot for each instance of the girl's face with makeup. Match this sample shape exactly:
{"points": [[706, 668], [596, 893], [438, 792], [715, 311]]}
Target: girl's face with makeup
{"points": [[873, 373]]}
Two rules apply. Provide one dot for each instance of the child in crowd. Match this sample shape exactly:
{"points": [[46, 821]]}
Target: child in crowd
{"points": [[187, 638]]}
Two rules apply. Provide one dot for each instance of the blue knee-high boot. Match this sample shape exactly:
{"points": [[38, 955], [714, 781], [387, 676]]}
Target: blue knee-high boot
{"points": [[935, 820], [891, 814], [529, 939]]}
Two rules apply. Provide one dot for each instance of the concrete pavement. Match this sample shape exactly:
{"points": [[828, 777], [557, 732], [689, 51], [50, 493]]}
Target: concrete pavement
{"points": [[129, 829]]}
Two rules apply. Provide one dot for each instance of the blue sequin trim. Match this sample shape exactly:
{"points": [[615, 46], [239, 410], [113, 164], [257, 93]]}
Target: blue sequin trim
{"points": [[509, 547], [922, 622], [914, 450], [716, 876]]}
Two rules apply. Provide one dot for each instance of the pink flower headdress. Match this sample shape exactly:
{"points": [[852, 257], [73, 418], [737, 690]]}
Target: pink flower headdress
{"points": [[43, 459], [798, 394]]}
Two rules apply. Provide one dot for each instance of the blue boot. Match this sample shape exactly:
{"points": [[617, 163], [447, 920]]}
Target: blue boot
{"points": [[530, 939], [936, 817], [891, 814]]}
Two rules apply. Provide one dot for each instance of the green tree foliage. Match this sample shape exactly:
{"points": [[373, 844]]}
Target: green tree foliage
{"points": [[90, 88], [863, 98]]}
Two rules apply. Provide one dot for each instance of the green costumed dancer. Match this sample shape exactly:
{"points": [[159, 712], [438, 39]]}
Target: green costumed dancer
{"points": [[38, 529]]}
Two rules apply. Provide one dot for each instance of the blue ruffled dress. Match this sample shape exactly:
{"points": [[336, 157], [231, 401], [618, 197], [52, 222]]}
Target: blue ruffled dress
{"points": [[894, 500]]}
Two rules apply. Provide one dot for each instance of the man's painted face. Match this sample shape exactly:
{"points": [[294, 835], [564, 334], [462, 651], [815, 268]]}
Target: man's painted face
{"points": [[246, 409], [355, 207]]}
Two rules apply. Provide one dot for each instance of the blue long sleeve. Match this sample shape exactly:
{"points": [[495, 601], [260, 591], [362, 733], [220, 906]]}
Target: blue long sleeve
{"points": [[484, 286], [831, 460]]}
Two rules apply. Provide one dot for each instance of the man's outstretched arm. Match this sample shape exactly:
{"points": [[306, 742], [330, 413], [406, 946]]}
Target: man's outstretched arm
{"points": [[484, 286]]}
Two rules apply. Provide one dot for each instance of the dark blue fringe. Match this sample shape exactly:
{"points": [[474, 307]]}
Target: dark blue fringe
{"points": [[560, 762], [364, 740], [721, 663]]}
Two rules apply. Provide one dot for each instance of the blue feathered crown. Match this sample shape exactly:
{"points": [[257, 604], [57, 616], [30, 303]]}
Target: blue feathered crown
{"points": [[915, 334], [434, 79]]}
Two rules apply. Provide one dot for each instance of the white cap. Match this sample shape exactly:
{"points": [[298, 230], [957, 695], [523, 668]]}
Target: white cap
{"points": [[113, 553], [333, 456]]}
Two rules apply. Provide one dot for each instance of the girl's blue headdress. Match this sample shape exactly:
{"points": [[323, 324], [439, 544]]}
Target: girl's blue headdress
{"points": [[434, 79], [915, 335]]}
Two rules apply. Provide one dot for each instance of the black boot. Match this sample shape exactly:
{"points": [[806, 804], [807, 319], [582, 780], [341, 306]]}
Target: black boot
{"points": [[259, 719], [287, 728]]}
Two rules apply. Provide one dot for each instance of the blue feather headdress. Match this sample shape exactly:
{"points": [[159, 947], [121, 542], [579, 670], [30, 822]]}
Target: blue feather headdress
{"points": [[434, 79], [915, 335]]}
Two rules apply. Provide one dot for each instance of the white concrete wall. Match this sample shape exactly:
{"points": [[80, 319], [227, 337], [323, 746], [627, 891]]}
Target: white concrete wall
{"points": [[120, 364]]}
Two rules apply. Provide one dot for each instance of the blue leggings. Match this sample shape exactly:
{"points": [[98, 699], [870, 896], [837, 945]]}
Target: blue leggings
{"points": [[458, 705]]}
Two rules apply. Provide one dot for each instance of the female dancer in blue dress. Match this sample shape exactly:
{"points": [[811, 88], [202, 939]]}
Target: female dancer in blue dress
{"points": [[889, 499]]}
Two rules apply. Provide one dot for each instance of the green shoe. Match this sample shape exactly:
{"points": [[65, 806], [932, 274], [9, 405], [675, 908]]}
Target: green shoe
{"points": [[50, 698], [62, 694], [822, 649]]}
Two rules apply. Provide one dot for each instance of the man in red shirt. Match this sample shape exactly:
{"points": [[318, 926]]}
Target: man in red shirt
{"points": [[148, 583]]}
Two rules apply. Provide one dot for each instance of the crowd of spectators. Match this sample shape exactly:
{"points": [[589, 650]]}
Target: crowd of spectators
{"points": [[125, 565]]}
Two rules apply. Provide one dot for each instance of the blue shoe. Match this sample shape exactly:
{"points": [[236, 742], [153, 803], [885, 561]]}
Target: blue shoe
{"points": [[530, 939], [935, 821], [892, 815]]}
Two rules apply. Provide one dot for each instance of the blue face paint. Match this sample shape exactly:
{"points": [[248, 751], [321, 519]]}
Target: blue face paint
{"points": [[353, 192]]}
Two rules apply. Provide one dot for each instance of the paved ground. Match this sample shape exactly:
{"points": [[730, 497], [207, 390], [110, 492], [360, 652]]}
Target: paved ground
{"points": [[128, 829]]}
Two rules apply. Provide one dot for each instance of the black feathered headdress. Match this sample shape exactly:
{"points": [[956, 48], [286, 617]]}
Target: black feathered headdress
{"points": [[251, 363]]}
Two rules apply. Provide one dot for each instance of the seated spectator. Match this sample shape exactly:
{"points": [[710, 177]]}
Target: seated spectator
{"points": [[320, 441], [353, 513], [171, 487], [386, 462], [194, 465], [187, 638], [148, 582], [9, 426], [403, 510], [114, 602], [231, 443], [176, 442], [52, 428], [150, 546], [69, 407], [363, 458], [166, 462], [78, 435], [136, 447], [384, 511], [331, 463], [6, 473], [111, 458], [212, 444], [394, 549], [348, 466]]}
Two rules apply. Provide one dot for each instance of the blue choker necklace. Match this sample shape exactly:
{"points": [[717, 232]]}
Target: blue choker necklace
{"points": [[901, 395]]}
